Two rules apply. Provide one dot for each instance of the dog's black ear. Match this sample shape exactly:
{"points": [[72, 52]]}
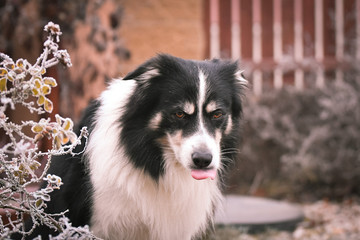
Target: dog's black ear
{"points": [[241, 84], [144, 72], [239, 76]]}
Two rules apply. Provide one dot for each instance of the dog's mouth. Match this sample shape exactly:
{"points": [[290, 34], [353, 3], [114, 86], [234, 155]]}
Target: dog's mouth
{"points": [[200, 174]]}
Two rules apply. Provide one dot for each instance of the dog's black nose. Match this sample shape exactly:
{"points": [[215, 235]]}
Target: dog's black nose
{"points": [[201, 160]]}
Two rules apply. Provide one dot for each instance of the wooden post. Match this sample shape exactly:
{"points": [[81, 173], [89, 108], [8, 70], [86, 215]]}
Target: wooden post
{"points": [[319, 42], [339, 29], [214, 29], [257, 48], [278, 73], [358, 30], [298, 44], [235, 30]]}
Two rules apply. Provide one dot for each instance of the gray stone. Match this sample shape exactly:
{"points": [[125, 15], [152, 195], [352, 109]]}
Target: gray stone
{"points": [[257, 214]]}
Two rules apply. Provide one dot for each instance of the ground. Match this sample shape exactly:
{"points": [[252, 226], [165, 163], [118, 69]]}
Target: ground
{"points": [[324, 220]]}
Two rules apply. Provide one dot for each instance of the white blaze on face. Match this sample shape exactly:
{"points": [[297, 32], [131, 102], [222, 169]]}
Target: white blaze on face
{"points": [[202, 95], [200, 141]]}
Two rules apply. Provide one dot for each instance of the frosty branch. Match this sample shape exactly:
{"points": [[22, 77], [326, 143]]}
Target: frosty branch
{"points": [[20, 156]]}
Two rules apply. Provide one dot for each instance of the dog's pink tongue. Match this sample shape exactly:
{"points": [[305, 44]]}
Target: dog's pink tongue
{"points": [[199, 174]]}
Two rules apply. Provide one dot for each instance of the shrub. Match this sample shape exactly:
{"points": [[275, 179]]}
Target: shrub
{"points": [[307, 141], [22, 83]]}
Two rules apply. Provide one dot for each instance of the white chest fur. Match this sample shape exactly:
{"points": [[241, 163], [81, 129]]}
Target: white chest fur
{"points": [[129, 204], [135, 207]]}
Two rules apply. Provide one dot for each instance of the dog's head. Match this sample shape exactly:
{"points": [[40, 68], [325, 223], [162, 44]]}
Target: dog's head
{"points": [[185, 111]]}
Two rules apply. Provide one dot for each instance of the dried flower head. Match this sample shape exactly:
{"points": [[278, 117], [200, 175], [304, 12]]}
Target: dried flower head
{"points": [[53, 29]]}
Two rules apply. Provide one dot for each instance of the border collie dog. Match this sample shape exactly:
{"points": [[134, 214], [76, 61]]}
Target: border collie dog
{"points": [[160, 141]]}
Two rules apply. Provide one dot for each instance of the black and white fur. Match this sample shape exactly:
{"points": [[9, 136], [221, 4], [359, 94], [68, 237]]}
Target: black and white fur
{"points": [[152, 133]]}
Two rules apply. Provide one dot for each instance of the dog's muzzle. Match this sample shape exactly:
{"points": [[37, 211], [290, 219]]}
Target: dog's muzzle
{"points": [[202, 161]]}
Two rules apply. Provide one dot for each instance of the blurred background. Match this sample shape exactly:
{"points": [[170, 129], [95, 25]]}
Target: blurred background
{"points": [[301, 130]]}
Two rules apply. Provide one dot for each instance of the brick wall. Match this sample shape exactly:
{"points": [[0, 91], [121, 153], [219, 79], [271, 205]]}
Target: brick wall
{"points": [[162, 26]]}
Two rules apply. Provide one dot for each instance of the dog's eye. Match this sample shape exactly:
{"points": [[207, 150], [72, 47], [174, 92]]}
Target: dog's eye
{"points": [[180, 114], [217, 114]]}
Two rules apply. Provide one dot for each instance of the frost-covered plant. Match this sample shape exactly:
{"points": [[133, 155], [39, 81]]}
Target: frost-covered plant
{"points": [[327, 151], [20, 156], [305, 142]]}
